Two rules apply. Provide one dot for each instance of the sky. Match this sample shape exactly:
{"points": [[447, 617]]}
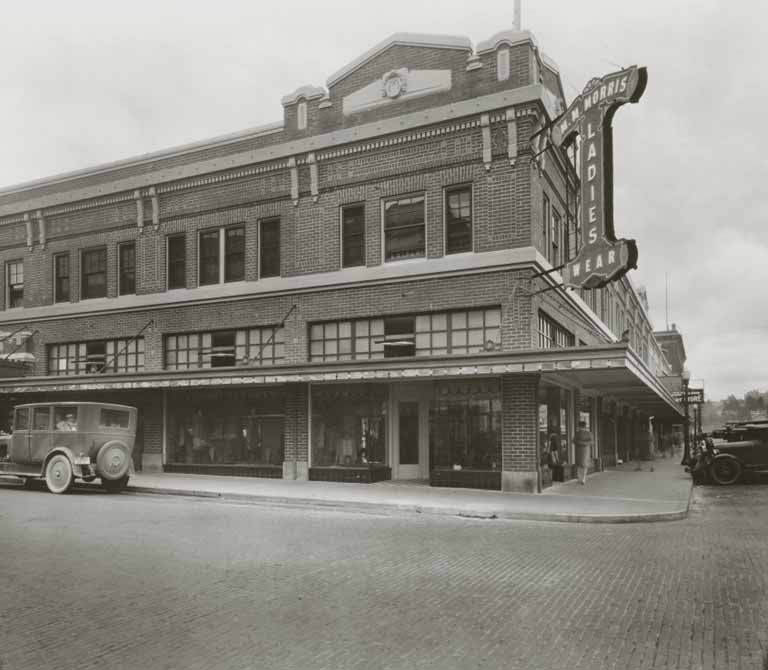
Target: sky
{"points": [[86, 82]]}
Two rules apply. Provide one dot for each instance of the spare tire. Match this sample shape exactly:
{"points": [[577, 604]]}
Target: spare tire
{"points": [[113, 460]]}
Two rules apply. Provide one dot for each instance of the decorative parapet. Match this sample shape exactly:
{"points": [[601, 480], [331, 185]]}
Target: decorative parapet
{"points": [[505, 37], [155, 207], [307, 92], [139, 210], [28, 225]]}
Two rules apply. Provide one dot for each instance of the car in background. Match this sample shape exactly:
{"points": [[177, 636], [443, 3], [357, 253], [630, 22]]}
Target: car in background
{"points": [[64, 441], [738, 449]]}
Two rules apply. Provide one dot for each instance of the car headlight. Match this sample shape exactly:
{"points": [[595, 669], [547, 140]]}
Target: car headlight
{"points": [[715, 451]]}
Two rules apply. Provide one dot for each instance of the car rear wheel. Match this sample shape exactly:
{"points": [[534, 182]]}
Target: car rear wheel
{"points": [[725, 471], [59, 475], [114, 485]]}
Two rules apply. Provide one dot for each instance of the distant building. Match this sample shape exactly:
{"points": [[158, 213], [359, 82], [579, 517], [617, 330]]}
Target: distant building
{"points": [[351, 293]]}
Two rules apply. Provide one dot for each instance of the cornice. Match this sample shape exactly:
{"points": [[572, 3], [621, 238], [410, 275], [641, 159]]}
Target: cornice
{"points": [[165, 180]]}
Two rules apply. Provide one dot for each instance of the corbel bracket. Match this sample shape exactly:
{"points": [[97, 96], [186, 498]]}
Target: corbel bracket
{"points": [[511, 137], [485, 125], [313, 181], [28, 225], [155, 207], [41, 228], [139, 210], [294, 180]]}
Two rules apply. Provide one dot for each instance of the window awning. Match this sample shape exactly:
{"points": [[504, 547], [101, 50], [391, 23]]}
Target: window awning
{"points": [[608, 370]]}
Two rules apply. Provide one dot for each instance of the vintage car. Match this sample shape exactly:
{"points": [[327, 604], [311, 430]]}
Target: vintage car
{"points": [[64, 441], [737, 449]]}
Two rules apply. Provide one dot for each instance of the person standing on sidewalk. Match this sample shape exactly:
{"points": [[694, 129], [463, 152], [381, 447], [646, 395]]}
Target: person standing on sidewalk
{"points": [[583, 443]]}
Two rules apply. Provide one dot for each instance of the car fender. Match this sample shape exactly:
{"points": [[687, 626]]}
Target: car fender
{"points": [[59, 450], [109, 463], [720, 457]]}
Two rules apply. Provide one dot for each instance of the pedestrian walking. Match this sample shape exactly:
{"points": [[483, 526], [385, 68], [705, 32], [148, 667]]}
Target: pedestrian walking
{"points": [[583, 443]]}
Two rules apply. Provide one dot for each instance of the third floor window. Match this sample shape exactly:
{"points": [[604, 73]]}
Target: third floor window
{"points": [[15, 280], [269, 248], [94, 271], [458, 220], [127, 268], [222, 255], [177, 262], [352, 235], [404, 229], [61, 277]]}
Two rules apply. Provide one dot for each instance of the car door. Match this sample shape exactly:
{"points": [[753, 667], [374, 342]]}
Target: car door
{"points": [[40, 434], [19, 448]]}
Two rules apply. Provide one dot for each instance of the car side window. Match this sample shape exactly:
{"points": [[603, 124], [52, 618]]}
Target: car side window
{"points": [[41, 418], [22, 419], [65, 418]]}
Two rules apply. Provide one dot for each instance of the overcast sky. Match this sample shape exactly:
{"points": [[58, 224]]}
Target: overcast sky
{"points": [[84, 83]]}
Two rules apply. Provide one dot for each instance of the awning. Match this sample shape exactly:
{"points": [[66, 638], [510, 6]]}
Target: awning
{"points": [[613, 370]]}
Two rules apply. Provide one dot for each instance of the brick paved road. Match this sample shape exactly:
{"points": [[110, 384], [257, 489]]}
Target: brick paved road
{"points": [[183, 583]]}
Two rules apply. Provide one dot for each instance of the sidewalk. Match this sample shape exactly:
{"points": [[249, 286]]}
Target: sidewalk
{"points": [[618, 495]]}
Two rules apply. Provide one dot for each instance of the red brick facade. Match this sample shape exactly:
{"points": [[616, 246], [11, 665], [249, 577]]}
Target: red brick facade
{"points": [[421, 144]]}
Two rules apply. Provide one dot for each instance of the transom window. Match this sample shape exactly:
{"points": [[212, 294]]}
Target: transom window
{"points": [[14, 276], [96, 356], [435, 334], [352, 235], [552, 335], [404, 229], [94, 280], [225, 348], [222, 255], [458, 220]]}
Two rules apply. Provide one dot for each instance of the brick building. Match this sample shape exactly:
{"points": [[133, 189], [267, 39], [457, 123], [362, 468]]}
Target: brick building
{"points": [[352, 293]]}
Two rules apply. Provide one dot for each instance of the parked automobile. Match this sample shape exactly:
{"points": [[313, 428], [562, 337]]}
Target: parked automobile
{"points": [[64, 441], [740, 448]]}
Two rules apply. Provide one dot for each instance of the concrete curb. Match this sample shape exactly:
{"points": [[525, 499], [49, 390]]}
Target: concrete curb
{"points": [[437, 510]]}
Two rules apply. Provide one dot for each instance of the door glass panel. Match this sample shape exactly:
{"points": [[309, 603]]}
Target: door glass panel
{"points": [[409, 433], [42, 418]]}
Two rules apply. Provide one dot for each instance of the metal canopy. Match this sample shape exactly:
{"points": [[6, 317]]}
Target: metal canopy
{"points": [[608, 370]]}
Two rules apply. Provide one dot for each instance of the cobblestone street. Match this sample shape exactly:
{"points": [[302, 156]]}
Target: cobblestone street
{"points": [[132, 581]]}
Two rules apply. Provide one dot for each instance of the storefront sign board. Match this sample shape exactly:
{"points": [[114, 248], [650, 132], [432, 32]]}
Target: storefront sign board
{"points": [[602, 258]]}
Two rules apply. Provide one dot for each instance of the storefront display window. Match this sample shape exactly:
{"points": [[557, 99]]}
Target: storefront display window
{"points": [[349, 425], [465, 429], [233, 428]]}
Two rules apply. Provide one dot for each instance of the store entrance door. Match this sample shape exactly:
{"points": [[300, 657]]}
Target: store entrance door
{"points": [[410, 431]]}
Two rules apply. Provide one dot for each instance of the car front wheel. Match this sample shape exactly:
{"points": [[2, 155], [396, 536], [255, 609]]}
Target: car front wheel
{"points": [[59, 475], [114, 485], [725, 471]]}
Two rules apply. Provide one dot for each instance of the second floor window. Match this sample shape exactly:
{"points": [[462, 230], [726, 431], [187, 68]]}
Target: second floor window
{"points": [[458, 220], [14, 276], [61, 278], [556, 239], [352, 236], [404, 230], [225, 348], [94, 280], [269, 248], [177, 262], [96, 357], [222, 255], [127, 268], [552, 335]]}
